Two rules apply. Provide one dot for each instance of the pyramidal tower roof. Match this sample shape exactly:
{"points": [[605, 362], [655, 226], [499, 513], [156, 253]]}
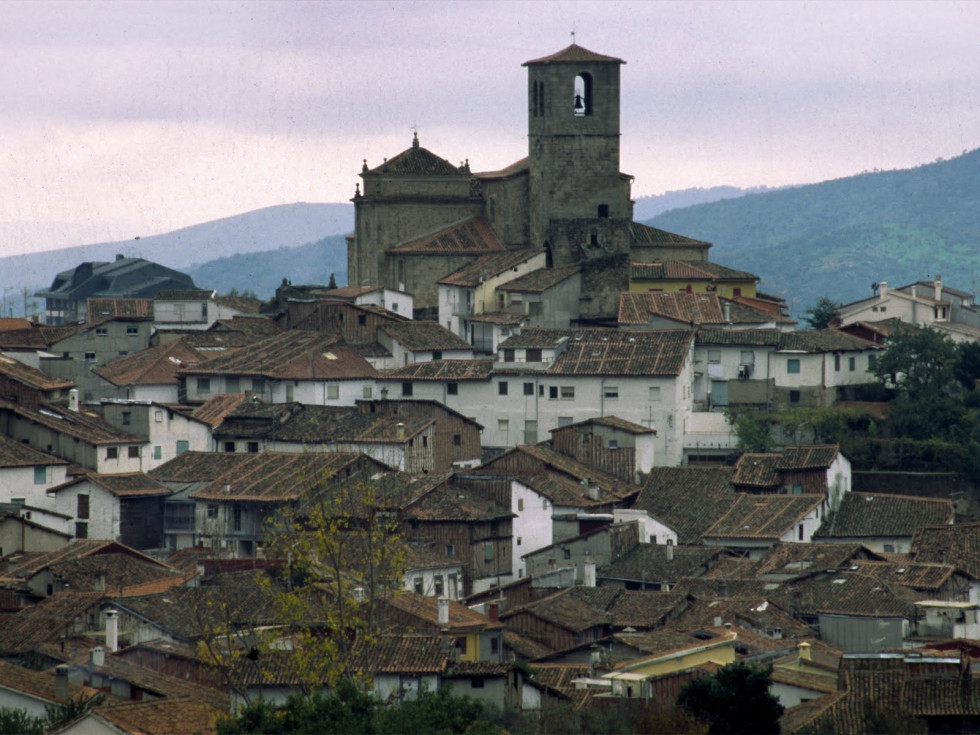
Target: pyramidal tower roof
{"points": [[573, 54]]}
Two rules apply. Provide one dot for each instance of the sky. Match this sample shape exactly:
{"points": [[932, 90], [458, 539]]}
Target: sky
{"points": [[124, 119]]}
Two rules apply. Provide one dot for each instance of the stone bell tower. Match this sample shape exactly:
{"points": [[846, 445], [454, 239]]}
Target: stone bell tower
{"points": [[580, 207]]}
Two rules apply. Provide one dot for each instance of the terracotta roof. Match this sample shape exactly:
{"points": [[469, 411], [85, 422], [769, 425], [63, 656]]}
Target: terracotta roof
{"points": [[83, 425], [45, 620], [688, 499], [122, 485], [183, 294], [688, 270], [573, 54], [757, 470], [191, 467], [276, 476], [688, 308], [156, 366], [565, 491], [747, 337], [488, 266], [822, 340], [575, 609], [500, 318], [518, 167], [957, 544], [540, 280], [99, 309], [745, 310], [16, 454], [654, 354], [214, 410], [756, 612], [533, 459], [415, 161], [77, 549], [427, 610], [613, 422], [40, 684], [474, 236], [763, 516], [845, 592], [424, 335], [656, 563], [350, 292], [808, 457], [453, 370], [162, 716], [878, 514], [450, 503], [291, 355], [31, 377], [789, 560]]}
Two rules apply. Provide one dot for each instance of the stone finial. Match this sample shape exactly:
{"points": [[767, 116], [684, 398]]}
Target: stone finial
{"points": [[364, 168], [415, 139], [357, 190]]}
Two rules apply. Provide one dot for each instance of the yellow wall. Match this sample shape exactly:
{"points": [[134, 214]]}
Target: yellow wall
{"points": [[720, 654]]}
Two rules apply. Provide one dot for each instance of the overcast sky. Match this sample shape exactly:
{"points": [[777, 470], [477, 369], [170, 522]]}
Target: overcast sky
{"points": [[135, 118]]}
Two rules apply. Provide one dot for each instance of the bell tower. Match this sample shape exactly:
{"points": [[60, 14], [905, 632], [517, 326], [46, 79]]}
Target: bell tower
{"points": [[580, 205]]}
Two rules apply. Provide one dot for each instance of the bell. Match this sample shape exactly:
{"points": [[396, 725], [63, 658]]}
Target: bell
{"points": [[578, 102]]}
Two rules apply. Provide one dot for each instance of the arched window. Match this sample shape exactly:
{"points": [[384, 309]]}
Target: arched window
{"points": [[583, 94]]}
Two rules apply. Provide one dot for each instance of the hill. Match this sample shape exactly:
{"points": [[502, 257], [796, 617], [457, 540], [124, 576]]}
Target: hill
{"points": [[836, 238], [260, 231]]}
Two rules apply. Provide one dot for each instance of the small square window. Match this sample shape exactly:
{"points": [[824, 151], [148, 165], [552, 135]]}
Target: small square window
{"points": [[134, 452], [112, 452], [204, 385], [89, 357], [610, 393], [502, 388], [653, 394], [508, 355], [333, 392], [132, 331], [157, 452], [437, 354], [794, 396], [229, 446], [567, 393], [793, 365], [212, 510], [450, 550], [407, 389], [362, 319], [253, 447], [503, 425], [367, 392], [533, 354], [101, 332], [529, 389], [452, 389]]}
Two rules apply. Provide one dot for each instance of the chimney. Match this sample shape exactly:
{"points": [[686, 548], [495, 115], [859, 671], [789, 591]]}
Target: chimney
{"points": [[804, 651], [443, 611], [670, 552], [937, 284], [96, 656], [73, 400], [727, 308], [400, 431], [493, 612], [112, 630], [61, 682], [883, 289], [717, 621], [588, 571]]}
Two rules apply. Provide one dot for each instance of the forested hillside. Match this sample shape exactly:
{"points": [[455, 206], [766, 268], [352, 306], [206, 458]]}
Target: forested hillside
{"points": [[838, 237]]}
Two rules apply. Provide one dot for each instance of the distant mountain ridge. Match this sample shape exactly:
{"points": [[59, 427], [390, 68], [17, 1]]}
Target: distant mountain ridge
{"points": [[836, 238]]}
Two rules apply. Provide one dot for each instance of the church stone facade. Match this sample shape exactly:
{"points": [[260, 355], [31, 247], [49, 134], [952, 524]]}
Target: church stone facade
{"points": [[419, 217]]}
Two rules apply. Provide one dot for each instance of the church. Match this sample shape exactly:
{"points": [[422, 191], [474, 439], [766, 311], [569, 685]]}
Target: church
{"points": [[420, 218]]}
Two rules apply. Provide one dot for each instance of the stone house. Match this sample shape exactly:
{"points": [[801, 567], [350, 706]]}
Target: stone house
{"points": [[753, 523], [169, 432], [796, 470], [420, 341], [152, 374], [883, 523]]}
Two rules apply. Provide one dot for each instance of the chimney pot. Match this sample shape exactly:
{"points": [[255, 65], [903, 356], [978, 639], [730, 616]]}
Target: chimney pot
{"points": [[443, 611], [112, 630], [61, 682]]}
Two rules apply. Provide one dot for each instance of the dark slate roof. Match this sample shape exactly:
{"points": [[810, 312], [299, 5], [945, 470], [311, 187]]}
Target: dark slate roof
{"points": [[878, 514], [763, 516], [822, 340], [121, 277], [184, 294], [415, 161], [45, 620], [473, 236], [155, 366], [16, 454], [452, 370], [656, 563], [745, 310], [747, 337], [122, 485], [488, 266], [83, 425], [424, 335], [688, 270], [214, 410], [688, 499], [688, 308], [957, 544], [573, 54], [808, 457], [291, 355], [540, 280]]}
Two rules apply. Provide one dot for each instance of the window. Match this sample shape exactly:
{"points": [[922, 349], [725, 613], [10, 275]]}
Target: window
{"points": [[134, 452], [112, 453], [502, 388], [494, 646], [253, 447], [362, 319], [439, 587], [204, 385], [567, 393], [419, 589], [457, 440], [529, 389], [476, 682], [81, 530], [566, 553], [746, 357], [794, 396], [101, 332], [565, 421], [450, 550], [40, 475], [204, 310], [333, 392], [82, 507], [182, 446], [212, 510], [132, 331], [793, 365], [157, 452], [799, 532], [436, 354], [452, 389], [158, 417], [236, 517], [508, 355], [367, 391], [654, 394], [610, 393], [503, 425], [487, 550], [407, 389], [229, 447], [533, 354], [553, 392], [603, 211], [613, 444], [520, 503], [836, 363], [289, 392], [714, 356], [797, 489], [851, 363], [583, 95], [888, 548], [89, 357], [258, 386]]}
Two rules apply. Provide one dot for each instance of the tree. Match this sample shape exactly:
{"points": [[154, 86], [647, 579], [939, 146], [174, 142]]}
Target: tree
{"points": [[752, 432], [822, 314], [736, 699]]}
